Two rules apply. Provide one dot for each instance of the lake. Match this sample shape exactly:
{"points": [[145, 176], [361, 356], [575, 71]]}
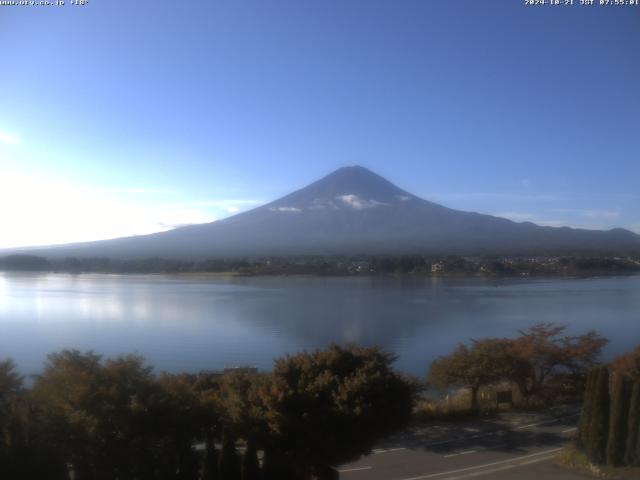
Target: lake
{"points": [[187, 323]]}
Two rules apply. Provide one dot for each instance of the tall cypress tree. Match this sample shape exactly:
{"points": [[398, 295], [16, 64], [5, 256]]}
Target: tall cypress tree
{"points": [[250, 465], [632, 451], [618, 420], [274, 467], [228, 463], [598, 426], [586, 413], [210, 461]]}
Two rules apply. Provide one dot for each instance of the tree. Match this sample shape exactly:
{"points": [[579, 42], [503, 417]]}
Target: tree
{"points": [[179, 417], [583, 436], [274, 466], [618, 420], [10, 391], [243, 414], [632, 450], [540, 352], [210, 461], [250, 465], [111, 419], [242, 407], [65, 392], [25, 452], [228, 462], [599, 422], [328, 407], [10, 394], [629, 363], [472, 367]]}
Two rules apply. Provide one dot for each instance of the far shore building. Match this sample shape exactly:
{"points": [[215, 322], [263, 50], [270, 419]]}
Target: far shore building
{"points": [[437, 267]]}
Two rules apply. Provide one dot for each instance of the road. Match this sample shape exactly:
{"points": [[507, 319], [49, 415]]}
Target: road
{"points": [[513, 446]]}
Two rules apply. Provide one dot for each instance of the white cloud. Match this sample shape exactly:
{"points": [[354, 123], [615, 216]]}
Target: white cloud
{"points": [[591, 213], [233, 209], [604, 214], [285, 209], [541, 197], [9, 139], [516, 216], [319, 204], [358, 203], [533, 218], [573, 223]]}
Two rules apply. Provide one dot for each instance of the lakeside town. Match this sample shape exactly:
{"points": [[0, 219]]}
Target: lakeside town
{"points": [[338, 265]]}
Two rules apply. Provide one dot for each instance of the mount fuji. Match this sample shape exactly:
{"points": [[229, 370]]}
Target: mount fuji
{"points": [[355, 211]]}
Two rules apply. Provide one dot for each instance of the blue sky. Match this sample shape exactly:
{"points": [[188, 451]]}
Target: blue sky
{"points": [[123, 117]]}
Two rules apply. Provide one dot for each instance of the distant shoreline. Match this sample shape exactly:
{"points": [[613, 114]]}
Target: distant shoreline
{"points": [[397, 276], [339, 266]]}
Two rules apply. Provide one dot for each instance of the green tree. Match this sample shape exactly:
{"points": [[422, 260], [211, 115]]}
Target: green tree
{"points": [[599, 422], [632, 450], [228, 462], [619, 419], [472, 367], [10, 425], [274, 466], [250, 465], [587, 410], [331, 406], [210, 461]]}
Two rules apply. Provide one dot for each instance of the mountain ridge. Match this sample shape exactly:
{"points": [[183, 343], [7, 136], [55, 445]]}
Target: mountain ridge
{"points": [[355, 211]]}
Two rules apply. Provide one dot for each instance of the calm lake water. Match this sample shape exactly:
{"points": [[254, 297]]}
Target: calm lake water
{"points": [[194, 323]]}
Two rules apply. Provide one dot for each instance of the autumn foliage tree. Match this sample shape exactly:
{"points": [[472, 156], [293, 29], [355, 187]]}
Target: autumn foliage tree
{"points": [[115, 419], [542, 352], [98, 419], [481, 363], [628, 363], [531, 361], [328, 407]]}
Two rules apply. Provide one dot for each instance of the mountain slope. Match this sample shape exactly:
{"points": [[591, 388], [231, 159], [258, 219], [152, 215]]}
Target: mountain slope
{"points": [[352, 211]]}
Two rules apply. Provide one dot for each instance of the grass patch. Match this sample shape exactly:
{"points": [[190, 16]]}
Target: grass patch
{"points": [[574, 459], [455, 407]]}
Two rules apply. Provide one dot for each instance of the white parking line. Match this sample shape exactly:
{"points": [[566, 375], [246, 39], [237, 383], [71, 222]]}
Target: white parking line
{"points": [[500, 469], [544, 423], [460, 453], [355, 469], [498, 432], [378, 451], [539, 459], [501, 462]]}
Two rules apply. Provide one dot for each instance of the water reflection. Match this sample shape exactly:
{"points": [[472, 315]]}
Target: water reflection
{"points": [[191, 323]]}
